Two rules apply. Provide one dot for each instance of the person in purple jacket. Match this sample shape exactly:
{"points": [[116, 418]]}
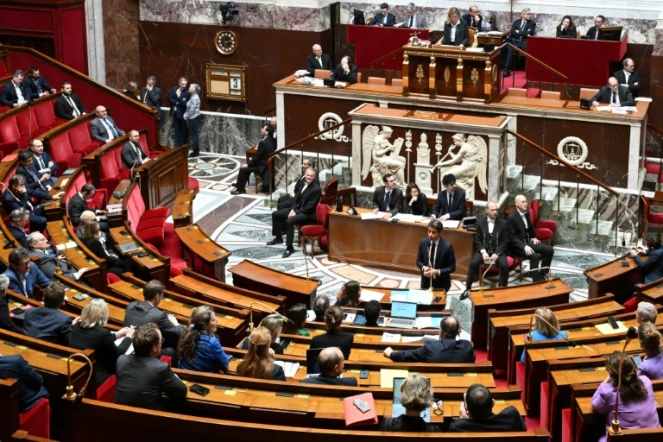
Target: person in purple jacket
{"points": [[637, 404], [650, 342]]}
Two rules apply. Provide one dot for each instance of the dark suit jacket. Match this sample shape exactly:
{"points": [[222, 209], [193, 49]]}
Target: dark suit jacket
{"points": [[142, 380], [457, 209], [30, 383], [334, 338], [48, 265], [519, 235], [340, 75], [9, 203], [266, 146], [8, 96], [462, 34], [633, 81], [102, 341], [75, 208], [312, 63], [178, 105], [33, 186], [605, 95], [444, 351], [139, 313], [506, 420], [652, 269], [419, 207], [395, 200], [378, 19], [528, 31], [19, 235], [569, 32], [471, 23], [591, 32], [500, 240], [49, 324], [34, 276], [445, 262], [151, 98], [46, 158], [64, 110], [33, 86], [324, 379], [130, 157], [99, 131], [305, 202], [6, 322]]}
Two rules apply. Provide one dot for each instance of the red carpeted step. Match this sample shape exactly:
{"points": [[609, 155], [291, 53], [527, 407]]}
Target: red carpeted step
{"points": [[482, 355]]}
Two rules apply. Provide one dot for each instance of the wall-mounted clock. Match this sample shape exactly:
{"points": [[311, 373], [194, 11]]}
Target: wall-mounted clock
{"points": [[226, 42]]}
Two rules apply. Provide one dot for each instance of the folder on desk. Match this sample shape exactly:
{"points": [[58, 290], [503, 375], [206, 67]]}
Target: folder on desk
{"points": [[354, 416], [607, 329], [370, 295], [387, 376]]}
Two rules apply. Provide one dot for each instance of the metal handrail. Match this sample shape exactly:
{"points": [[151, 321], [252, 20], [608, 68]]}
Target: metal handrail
{"points": [[535, 60]]}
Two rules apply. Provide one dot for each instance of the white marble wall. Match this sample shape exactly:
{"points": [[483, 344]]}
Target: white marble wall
{"points": [[96, 58]]}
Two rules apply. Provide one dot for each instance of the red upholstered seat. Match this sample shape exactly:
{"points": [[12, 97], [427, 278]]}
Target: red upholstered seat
{"points": [[194, 185], [37, 420], [27, 125], [111, 278], [10, 135], [544, 405], [62, 153], [148, 225], [331, 190], [511, 262], [167, 359], [631, 305], [656, 217], [45, 115], [549, 224], [543, 234], [520, 379], [80, 139], [567, 430], [157, 212], [106, 391], [324, 243], [316, 231], [172, 247]]}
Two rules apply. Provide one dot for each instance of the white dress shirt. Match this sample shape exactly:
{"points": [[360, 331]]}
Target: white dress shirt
{"points": [[19, 93], [522, 216], [452, 34]]}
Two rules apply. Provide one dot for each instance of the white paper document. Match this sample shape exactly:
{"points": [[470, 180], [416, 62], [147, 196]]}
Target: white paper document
{"points": [[371, 215], [289, 368], [644, 99], [310, 315], [409, 218], [129, 350], [420, 296], [370, 295], [410, 339], [349, 318], [427, 322], [450, 224], [391, 337]]}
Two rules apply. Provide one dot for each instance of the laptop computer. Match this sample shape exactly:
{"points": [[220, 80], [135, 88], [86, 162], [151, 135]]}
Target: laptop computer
{"points": [[312, 367], [403, 314], [397, 407]]}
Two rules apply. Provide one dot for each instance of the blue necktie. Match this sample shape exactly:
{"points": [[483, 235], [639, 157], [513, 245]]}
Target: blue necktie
{"points": [[110, 125], [386, 201], [614, 98]]}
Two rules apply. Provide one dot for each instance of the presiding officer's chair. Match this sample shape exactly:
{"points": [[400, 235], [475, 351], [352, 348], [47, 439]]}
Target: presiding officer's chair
{"points": [[322, 73]]}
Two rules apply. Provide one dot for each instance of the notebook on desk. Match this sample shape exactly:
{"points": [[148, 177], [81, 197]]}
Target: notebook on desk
{"points": [[128, 247]]}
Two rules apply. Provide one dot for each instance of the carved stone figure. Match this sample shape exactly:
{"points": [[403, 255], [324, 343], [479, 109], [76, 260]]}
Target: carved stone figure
{"points": [[423, 152], [468, 164], [380, 157]]}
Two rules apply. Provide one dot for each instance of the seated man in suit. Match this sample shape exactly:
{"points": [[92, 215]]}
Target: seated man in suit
{"points": [[345, 71], [331, 363], [258, 162], [521, 30], [14, 93], [491, 241], [629, 77], [614, 95], [450, 202], [36, 186], [413, 20], [286, 200], [30, 383], [142, 378], [301, 212], [388, 198], [523, 242], [652, 268], [593, 32], [476, 414], [436, 258], [6, 322], [474, 19], [103, 128], [16, 197], [384, 17], [320, 306], [19, 219], [142, 312], [448, 349], [372, 313], [456, 32], [133, 154], [24, 274], [68, 106], [47, 322], [150, 95], [49, 261], [42, 163], [318, 60], [77, 205], [35, 85]]}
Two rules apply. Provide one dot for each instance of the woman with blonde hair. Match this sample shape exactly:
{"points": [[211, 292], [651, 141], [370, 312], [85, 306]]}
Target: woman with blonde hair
{"points": [[545, 327], [349, 295], [456, 32], [334, 336], [274, 324], [650, 342], [90, 332], [416, 396], [199, 348], [259, 361]]}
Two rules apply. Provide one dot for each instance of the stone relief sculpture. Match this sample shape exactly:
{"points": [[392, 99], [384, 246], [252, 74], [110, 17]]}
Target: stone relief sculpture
{"points": [[380, 157], [470, 163]]}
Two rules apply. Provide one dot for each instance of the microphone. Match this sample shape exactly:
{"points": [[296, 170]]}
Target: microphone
{"points": [[549, 275], [466, 293], [290, 322], [615, 428]]}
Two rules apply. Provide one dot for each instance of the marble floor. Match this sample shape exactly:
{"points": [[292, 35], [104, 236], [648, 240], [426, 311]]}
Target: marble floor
{"points": [[242, 224]]}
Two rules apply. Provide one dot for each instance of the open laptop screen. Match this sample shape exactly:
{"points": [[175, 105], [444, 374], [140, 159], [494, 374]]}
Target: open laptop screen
{"points": [[407, 310]]}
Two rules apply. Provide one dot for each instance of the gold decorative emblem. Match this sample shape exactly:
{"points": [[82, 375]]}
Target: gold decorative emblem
{"points": [[226, 42], [447, 75], [474, 77], [420, 73], [495, 74]]}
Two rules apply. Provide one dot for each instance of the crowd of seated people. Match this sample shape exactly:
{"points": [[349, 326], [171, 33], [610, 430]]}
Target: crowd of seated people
{"points": [[259, 359], [274, 325]]}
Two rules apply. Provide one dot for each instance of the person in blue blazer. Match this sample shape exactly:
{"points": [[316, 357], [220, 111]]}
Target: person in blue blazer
{"points": [[30, 383], [48, 322], [24, 274], [14, 93], [178, 98], [384, 17], [651, 269], [35, 85]]}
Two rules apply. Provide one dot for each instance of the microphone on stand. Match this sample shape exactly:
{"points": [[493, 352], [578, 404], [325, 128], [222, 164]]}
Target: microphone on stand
{"points": [[466, 293], [283, 318], [549, 275], [615, 428]]}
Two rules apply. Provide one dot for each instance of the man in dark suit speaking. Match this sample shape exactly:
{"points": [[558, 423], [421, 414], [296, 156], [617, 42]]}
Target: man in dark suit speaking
{"points": [[447, 350], [318, 60], [629, 77], [436, 259], [388, 198], [450, 202], [613, 94]]}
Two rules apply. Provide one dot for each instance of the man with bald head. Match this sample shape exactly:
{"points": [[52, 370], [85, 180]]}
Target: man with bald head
{"points": [[331, 363], [491, 240], [613, 95], [103, 128], [318, 60], [523, 242], [629, 77]]}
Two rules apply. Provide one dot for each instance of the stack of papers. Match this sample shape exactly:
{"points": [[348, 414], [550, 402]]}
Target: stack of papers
{"points": [[391, 337], [387, 376], [412, 295], [370, 295], [67, 245], [371, 215], [289, 368], [450, 224], [409, 218], [427, 322]]}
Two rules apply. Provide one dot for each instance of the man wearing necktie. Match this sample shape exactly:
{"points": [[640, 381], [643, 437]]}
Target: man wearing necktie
{"points": [[450, 204], [388, 198], [593, 32], [103, 127], [413, 19], [318, 60], [35, 84], [16, 197], [42, 163], [36, 186], [521, 30], [384, 17], [68, 106], [523, 242], [614, 95], [132, 153], [436, 259]]}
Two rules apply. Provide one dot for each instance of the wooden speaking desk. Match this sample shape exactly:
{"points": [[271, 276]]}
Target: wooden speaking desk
{"points": [[394, 246], [613, 277]]}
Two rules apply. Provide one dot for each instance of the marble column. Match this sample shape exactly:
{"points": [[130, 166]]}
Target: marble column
{"points": [[356, 153], [96, 52], [494, 155]]}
